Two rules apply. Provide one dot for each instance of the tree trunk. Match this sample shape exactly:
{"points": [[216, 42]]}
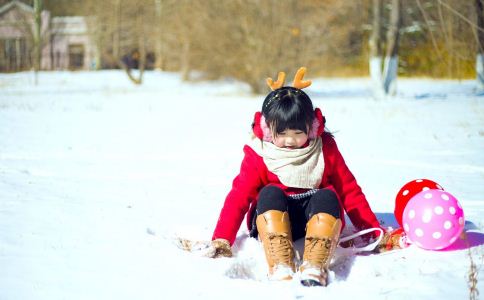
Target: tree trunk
{"points": [[94, 32], [185, 59], [391, 57], [141, 45], [375, 46], [117, 25], [158, 48], [480, 44], [37, 37]]}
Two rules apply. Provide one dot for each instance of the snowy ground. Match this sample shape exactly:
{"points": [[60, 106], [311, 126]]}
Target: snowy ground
{"points": [[97, 176]]}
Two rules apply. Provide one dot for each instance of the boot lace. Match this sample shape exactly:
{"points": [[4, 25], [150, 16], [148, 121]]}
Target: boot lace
{"points": [[317, 251], [280, 248]]}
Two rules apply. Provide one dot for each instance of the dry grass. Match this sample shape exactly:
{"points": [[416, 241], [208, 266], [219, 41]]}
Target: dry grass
{"points": [[472, 277], [474, 254]]}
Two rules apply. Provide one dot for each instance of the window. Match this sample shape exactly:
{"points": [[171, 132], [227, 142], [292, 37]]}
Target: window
{"points": [[14, 55], [76, 57]]}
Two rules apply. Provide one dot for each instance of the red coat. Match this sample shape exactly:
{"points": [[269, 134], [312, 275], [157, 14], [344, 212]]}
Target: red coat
{"points": [[254, 175]]}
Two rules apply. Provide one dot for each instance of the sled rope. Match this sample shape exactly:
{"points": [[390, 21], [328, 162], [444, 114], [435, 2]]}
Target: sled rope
{"points": [[369, 247]]}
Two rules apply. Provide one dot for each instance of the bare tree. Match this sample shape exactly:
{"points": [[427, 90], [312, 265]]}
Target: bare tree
{"points": [[158, 36], [263, 37], [449, 30], [480, 43], [391, 57], [384, 83], [375, 63], [37, 37], [116, 27], [259, 38]]}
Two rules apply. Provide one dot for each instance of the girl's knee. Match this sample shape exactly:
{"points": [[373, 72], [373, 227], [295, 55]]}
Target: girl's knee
{"points": [[328, 194], [271, 191], [325, 201], [271, 198]]}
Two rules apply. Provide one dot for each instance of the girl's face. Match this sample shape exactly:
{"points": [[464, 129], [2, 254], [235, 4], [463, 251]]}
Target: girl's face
{"points": [[290, 139]]}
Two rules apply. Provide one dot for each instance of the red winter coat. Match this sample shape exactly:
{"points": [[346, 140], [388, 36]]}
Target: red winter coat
{"points": [[254, 175]]}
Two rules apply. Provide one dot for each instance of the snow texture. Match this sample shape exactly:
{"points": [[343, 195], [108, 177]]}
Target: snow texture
{"points": [[97, 177]]}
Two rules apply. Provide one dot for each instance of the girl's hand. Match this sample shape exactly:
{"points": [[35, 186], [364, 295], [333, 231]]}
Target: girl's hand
{"points": [[219, 248], [213, 249], [392, 240]]}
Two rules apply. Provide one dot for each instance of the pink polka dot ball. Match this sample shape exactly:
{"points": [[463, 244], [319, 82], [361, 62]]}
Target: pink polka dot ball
{"points": [[433, 219]]}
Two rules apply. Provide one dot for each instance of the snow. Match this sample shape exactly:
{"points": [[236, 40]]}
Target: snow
{"points": [[97, 176]]}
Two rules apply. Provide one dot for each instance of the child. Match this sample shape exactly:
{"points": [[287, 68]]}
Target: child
{"points": [[293, 183]]}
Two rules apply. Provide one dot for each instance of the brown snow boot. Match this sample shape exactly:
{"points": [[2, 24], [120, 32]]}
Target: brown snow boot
{"points": [[322, 235], [275, 233]]}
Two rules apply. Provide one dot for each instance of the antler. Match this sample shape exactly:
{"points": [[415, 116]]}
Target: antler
{"points": [[281, 77], [298, 82]]}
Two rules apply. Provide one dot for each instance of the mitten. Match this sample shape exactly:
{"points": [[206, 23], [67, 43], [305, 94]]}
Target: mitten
{"points": [[220, 248], [392, 240], [212, 249]]}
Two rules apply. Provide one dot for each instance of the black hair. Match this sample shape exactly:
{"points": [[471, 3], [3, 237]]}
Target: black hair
{"points": [[288, 108]]}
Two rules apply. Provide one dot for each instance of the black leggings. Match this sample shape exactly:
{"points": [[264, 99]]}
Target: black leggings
{"points": [[300, 210]]}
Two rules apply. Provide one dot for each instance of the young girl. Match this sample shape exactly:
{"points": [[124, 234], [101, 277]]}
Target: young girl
{"points": [[294, 183]]}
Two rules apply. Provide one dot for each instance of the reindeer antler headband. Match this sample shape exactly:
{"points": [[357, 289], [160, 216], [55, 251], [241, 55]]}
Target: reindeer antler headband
{"points": [[262, 129], [298, 83]]}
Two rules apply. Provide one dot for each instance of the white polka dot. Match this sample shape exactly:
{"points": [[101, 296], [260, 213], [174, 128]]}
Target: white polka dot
{"points": [[445, 197], [452, 240], [405, 192], [436, 235], [461, 221], [452, 210], [439, 210], [428, 196], [406, 227], [425, 189], [427, 216], [439, 187], [418, 180], [447, 225], [411, 214], [419, 232]]}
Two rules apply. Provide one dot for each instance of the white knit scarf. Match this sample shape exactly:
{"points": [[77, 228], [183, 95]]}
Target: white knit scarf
{"points": [[299, 168]]}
